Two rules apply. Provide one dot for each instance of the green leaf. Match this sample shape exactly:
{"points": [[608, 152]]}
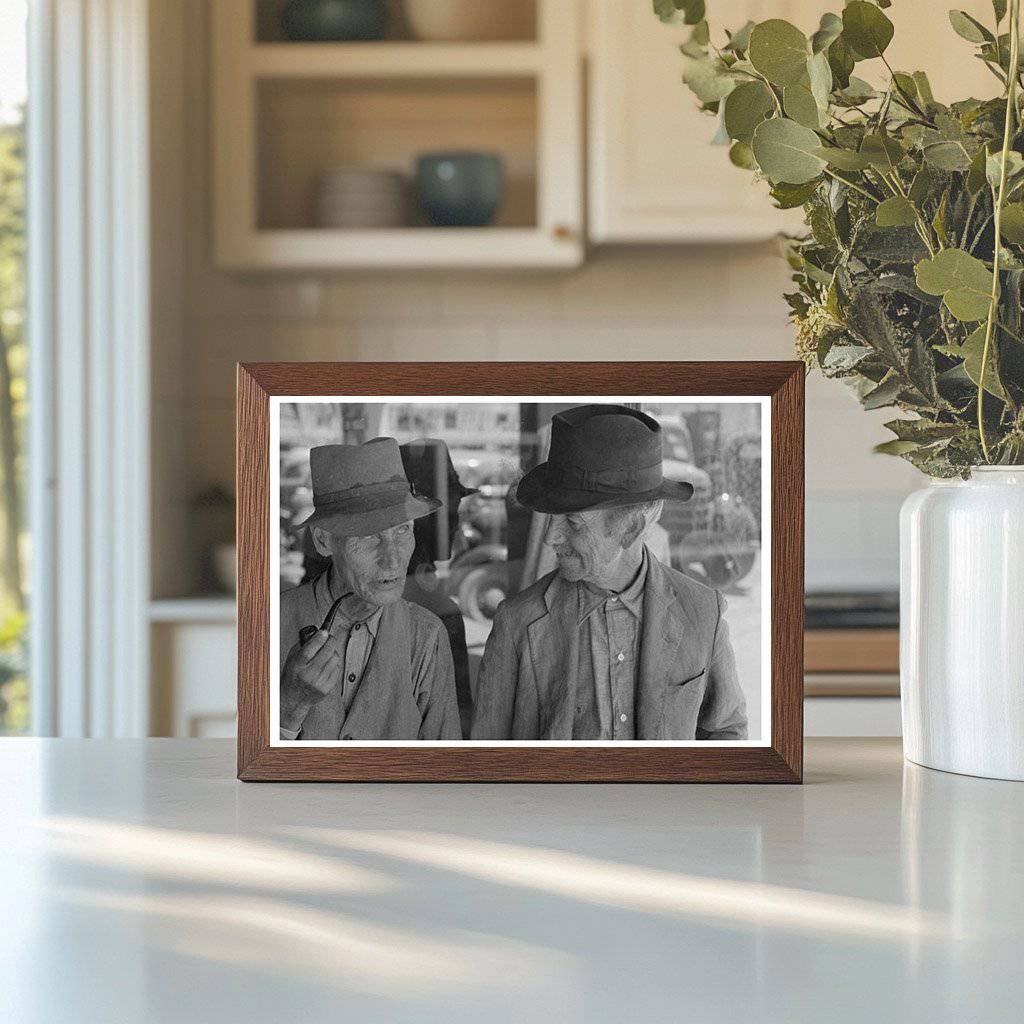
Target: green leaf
{"points": [[844, 159], [829, 30], [666, 10], [885, 394], [819, 75], [741, 155], [707, 78], [1012, 223], [866, 29], [786, 151], [779, 51], [947, 156], [895, 447], [882, 151], [841, 63], [701, 34], [693, 10], [971, 351], [999, 8], [905, 84], [801, 106], [963, 281], [939, 220], [788, 197], [739, 41], [890, 245], [976, 174], [969, 28], [895, 212], [993, 166], [924, 88], [857, 91], [922, 185], [745, 108], [690, 12], [923, 431]]}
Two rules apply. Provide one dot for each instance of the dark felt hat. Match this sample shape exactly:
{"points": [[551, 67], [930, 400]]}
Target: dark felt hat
{"points": [[428, 465], [601, 456], [361, 489]]}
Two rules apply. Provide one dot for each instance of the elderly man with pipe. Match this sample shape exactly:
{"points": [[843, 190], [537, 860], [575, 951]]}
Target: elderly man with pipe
{"points": [[612, 644], [358, 661]]}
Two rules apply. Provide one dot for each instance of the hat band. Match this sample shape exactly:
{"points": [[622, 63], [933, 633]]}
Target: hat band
{"points": [[607, 481], [390, 488]]}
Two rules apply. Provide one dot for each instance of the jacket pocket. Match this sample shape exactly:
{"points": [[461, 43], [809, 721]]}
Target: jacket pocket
{"points": [[691, 679]]}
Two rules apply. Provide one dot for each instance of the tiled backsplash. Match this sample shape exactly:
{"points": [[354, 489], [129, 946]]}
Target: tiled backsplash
{"points": [[667, 304]]}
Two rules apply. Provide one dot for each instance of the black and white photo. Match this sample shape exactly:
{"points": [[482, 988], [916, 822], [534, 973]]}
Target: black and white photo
{"points": [[520, 570]]}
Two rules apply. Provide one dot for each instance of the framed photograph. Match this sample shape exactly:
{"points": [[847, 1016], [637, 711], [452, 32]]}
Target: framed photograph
{"points": [[565, 572]]}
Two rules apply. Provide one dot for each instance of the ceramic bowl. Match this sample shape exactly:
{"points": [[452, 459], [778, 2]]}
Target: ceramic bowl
{"points": [[460, 189], [359, 197], [332, 21], [470, 20]]}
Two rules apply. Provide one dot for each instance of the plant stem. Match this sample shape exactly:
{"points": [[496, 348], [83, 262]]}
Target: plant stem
{"points": [[907, 99], [775, 98], [853, 185], [1011, 108]]}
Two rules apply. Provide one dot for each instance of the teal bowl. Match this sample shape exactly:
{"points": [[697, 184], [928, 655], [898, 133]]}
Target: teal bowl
{"points": [[460, 189], [334, 21]]}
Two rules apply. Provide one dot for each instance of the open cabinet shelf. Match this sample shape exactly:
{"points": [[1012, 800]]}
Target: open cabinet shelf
{"points": [[287, 114]]}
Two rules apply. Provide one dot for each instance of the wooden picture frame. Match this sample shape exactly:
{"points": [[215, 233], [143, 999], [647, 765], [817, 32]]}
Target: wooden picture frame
{"points": [[779, 759]]}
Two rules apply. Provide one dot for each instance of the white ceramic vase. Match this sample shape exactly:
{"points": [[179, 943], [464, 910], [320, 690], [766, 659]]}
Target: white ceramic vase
{"points": [[962, 624]]}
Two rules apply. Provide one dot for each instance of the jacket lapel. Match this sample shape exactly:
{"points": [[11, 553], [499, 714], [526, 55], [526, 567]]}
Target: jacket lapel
{"points": [[666, 658], [554, 652]]}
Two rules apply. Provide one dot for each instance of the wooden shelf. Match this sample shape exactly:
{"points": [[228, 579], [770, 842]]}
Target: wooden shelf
{"points": [[392, 60], [852, 650], [319, 248]]}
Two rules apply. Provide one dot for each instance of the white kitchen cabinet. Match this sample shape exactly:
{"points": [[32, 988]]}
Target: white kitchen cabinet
{"points": [[285, 114], [653, 175]]}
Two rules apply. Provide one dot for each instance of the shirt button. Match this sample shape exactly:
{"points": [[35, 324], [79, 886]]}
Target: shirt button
{"points": [[351, 677], [622, 718], [613, 599], [621, 657], [358, 625]]}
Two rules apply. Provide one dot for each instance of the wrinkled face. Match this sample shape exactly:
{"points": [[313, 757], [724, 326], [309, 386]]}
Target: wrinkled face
{"points": [[587, 544], [372, 567]]}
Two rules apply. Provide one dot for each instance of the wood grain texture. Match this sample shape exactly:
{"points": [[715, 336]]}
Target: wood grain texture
{"points": [[478, 762]]}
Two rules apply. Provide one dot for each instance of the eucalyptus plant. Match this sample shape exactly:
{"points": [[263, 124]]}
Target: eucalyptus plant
{"points": [[902, 289]]}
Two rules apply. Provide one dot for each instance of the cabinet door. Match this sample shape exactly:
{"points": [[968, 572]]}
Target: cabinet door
{"points": [[654, 176]]}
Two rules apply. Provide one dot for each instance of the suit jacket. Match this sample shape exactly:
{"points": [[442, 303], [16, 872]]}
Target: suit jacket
{"points": [[407, 691], [686, 685]]}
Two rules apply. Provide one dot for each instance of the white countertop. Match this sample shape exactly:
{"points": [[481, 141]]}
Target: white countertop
{"points": [[140, 882]]}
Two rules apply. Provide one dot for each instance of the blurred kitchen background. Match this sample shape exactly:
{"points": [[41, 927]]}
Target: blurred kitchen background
{"points": [[467, 180]]}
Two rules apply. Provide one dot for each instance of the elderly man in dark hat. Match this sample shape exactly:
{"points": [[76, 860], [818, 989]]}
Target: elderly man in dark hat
{"points": [[612, 644], [357, 660]]}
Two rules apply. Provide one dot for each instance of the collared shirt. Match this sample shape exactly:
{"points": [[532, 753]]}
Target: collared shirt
{"points": [[610, 625], [355, 638]]}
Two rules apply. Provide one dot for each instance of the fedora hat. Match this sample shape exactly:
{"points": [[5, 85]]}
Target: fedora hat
{"points": [[428, 465], [601, 456], [361, 489]]}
